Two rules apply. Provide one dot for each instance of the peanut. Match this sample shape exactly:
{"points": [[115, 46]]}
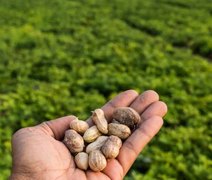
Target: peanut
{"points": [[96, 160], [79, 125], [111, 147], [96, 144], [120, 130], [100, 121], [81, 160], [127, 116], [73, 141], [91, 134]]}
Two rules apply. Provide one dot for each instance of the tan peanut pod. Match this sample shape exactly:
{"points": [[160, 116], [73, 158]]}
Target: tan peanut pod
{"points": [[97, 144], [120, 130], [96, 160], [100, 121], [79, 125], [127, 116], [91, 134], [73, 141], [81, 160], [111, 147], [115, 140]]}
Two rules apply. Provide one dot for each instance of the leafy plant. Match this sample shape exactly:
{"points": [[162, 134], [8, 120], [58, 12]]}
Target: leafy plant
{"points": [[59, 57]]}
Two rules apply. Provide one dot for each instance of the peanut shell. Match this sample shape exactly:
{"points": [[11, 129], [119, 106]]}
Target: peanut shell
{"points": [[127, 116], [111, 147], [120, 130], [96, 160], [81, 160], [100, 121], [91, 134], [73, 141], [97, 144], [79, 126]]}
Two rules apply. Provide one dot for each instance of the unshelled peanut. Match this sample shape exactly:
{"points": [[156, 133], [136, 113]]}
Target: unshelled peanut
{"points": [[81, 160], [111, 147], [96, 144], [73, 141], [127, 116], [100, 121], [79, 125], [120, 130], [91, 134], [96, 160]]}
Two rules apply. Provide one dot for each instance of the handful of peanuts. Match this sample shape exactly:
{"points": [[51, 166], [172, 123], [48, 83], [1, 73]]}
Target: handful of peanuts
{"points": [[91, 146]]}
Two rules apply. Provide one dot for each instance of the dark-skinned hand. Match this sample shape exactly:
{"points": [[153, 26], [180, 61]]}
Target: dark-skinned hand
{"points": [[39, 153]]}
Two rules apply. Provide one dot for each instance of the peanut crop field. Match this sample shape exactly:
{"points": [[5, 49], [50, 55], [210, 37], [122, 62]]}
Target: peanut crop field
{"points": [[61, 57]]}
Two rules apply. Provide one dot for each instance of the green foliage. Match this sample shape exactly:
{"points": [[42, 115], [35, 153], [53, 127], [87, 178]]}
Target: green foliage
{"points": [[69, 57]]}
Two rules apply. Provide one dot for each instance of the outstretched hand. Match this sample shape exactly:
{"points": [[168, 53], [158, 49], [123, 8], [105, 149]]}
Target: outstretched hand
{"points": [[38, 152]]}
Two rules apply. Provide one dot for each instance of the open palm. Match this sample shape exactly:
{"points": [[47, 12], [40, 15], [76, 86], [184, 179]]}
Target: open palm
{"points": [[38, 152]]}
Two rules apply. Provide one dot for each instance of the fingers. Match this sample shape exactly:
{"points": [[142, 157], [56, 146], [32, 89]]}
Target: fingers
{"points": [[144, 100], [123, 99], [158, 108], [137, 141], [56, 128]]}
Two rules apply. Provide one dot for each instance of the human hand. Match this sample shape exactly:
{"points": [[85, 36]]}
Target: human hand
{"points": [[38, 152]]}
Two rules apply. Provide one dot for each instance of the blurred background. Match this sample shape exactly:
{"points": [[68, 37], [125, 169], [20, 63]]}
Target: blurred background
{"points": [[64, 57]]}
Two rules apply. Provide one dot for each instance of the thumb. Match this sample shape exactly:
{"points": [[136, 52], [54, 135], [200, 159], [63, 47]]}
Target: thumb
{"points": [[56, 128]]}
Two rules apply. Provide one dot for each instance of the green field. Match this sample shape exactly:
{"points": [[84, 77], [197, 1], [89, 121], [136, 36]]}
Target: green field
{"points": [[63, 57]]}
